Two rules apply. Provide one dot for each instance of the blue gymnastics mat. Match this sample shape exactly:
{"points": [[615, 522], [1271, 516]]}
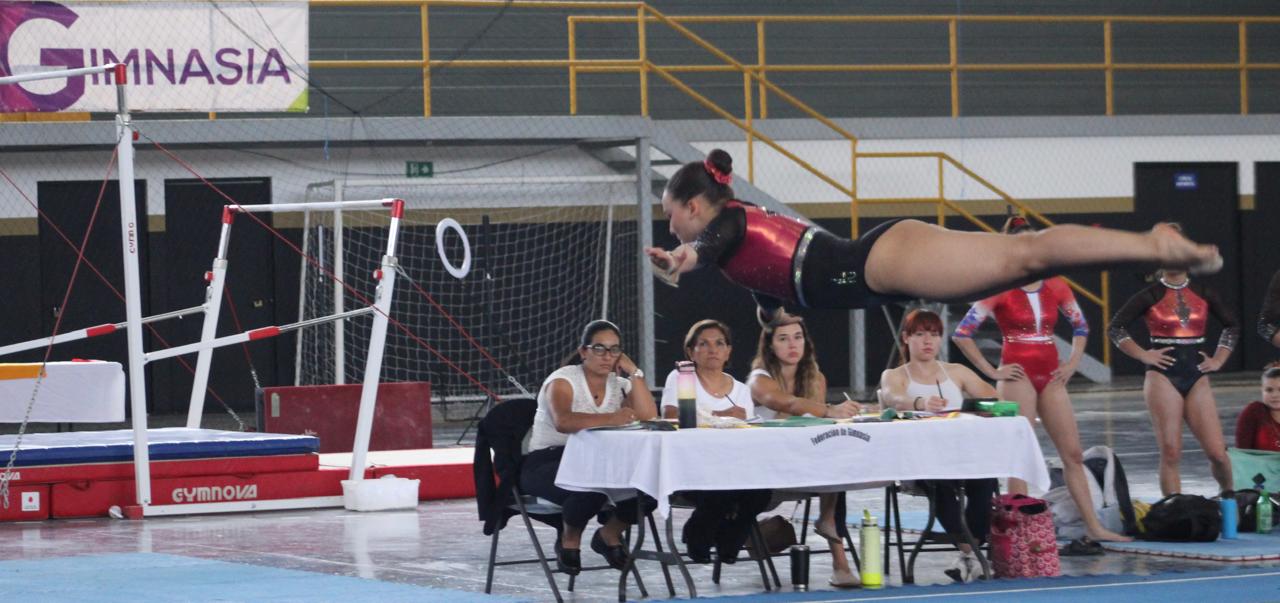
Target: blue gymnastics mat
{"points": [[158, 577], [168, 443]]}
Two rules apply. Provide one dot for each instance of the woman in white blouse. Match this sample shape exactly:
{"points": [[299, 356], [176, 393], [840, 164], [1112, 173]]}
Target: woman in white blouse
{"points": [[722, 517], [601, 387]]}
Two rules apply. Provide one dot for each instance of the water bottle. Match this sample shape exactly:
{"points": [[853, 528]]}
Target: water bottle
{"points": [[687, 394], [800, 567], [1264, 505], [1230, 516], [872, 575]]}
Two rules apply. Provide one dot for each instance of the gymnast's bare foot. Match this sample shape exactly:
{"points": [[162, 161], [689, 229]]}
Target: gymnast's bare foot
{"points": [[1178, 251], [1105, 535]]}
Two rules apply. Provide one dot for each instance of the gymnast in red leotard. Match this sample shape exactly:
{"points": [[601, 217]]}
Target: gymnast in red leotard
{"points": [[1030, 373], [785, 261]]}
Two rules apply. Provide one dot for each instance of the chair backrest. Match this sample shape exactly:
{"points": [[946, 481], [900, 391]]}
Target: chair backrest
{"points": [[504, 427]]}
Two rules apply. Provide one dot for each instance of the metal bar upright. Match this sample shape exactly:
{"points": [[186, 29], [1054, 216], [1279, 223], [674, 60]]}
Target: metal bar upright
{"points": [[132, 293], [645, 239], [209, 330], [377, 344]]}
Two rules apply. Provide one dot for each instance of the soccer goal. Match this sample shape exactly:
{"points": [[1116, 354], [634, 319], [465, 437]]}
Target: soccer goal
{"points": [[501, 290]]}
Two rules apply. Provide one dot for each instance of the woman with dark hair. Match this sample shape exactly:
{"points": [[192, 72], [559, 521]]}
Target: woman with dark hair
{"points": [[1269, 319], [785, 381], [922, 382], [1032, 374], [722, 517], [601, 387], [1258, 426], [1177, 386], [783, 260]]}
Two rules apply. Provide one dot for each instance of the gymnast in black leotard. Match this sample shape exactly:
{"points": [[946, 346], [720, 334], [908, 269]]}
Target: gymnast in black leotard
{"points": [[1177, 381], [787, 261]]}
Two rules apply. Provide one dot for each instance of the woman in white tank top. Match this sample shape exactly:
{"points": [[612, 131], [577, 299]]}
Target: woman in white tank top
{"points": [[785, 381], [925, 383]]}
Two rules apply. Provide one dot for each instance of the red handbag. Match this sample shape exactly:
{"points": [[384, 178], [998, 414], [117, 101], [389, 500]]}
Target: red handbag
{"points": [[1022, 538]]}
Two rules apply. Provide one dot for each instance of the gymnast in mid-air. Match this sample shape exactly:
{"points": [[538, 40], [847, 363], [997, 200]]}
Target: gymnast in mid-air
{"points": [[784, 261]]}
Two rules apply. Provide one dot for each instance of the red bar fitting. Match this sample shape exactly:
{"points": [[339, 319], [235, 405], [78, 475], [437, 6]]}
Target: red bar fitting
{"points": [[228, 214], [208, 276], [377, 274], [122, 72], [99, 330], [263, 333], [136, 136], [397, 208]]}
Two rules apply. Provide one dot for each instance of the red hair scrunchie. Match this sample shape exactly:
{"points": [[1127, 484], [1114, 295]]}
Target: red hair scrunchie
{"points": [[716, 174]]}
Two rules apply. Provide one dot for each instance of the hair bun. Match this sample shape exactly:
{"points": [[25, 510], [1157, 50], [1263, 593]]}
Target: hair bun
{"points": [[721, 159]]}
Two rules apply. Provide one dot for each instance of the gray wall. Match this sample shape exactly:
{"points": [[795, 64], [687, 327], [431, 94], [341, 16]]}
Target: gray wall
{"points": [[512, 33]]}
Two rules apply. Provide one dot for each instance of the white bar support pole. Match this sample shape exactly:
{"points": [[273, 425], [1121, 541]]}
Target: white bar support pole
{"points": [[339, 271], [644, 202], [377, 344], [129, 228], [209, 330]]}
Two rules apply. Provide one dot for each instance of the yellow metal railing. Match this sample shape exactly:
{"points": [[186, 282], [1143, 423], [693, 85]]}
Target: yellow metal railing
{"points": [[954, 67], [756, 76]]}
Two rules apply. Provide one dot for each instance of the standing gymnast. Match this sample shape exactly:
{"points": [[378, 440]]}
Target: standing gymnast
{"points": [[783, 260], [1177, 382], [1030, 372]]}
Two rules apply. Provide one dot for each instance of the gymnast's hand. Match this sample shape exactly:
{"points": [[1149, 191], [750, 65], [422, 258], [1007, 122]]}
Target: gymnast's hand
{"points": [[1158, 358], [667, 264], [1210, 364], [1063, 373], [1009, 372]]}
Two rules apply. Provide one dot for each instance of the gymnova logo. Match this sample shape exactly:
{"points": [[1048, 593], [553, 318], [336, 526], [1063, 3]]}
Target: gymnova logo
{"points": [[201, 494], [180, 56]]}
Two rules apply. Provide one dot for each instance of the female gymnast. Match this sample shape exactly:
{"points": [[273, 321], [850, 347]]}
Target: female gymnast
{"points": [[1030, 372], [783, 260], [1177, 383]]}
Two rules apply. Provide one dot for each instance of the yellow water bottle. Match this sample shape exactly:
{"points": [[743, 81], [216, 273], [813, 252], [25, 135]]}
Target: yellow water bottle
{"points": [[872, 575]]}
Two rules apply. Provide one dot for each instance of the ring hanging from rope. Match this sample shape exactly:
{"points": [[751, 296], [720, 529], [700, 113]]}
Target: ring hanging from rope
{"points": [[451, 224]]}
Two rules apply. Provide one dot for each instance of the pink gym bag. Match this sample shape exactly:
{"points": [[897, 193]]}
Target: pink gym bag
{"points": [[1022, 538]]}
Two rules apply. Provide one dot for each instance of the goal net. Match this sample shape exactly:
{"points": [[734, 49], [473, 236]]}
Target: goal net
{"points": [[546, 255]]}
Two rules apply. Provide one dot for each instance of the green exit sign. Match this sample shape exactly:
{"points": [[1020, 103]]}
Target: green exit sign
{"points": [[419, 169]]}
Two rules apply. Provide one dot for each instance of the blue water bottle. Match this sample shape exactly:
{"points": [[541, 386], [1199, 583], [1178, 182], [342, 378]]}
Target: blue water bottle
{"points": [[1230, 516]]}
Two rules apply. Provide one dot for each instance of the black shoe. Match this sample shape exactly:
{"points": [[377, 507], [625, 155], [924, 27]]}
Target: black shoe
{"points": [[731, 537], [568, 561], [615, 555]]}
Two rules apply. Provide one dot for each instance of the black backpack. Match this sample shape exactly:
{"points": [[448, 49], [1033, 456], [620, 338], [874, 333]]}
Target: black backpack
{"points": [[1183, 518]]}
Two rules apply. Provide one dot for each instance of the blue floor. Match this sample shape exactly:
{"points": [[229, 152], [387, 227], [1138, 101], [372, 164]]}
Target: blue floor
{"points": [[159, 577], [1242, 584]]}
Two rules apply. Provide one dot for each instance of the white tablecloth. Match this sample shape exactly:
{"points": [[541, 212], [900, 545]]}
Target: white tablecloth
{"points": [[661, 463], [71, 392]]}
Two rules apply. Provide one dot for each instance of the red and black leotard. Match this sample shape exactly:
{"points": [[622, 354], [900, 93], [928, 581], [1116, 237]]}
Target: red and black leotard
{"points": [[1026, 320], [1177, 317], [785, 261]]}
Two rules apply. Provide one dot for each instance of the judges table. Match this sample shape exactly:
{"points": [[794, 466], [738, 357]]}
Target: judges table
{"points": [[824, 457]]}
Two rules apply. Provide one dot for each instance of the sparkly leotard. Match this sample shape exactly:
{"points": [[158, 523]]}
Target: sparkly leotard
{"points": [[783, 260], [1177, 317], [1026, 320]]}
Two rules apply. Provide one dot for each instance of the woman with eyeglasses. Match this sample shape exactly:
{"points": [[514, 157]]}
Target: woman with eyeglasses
{"points": [[599, 386], [782, 260], [785, 381], [722, 517]]}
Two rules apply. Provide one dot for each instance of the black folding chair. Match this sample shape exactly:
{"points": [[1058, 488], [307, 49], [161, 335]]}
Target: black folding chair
{"points": [[505, 426]]}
